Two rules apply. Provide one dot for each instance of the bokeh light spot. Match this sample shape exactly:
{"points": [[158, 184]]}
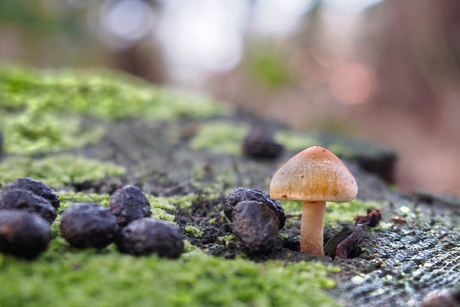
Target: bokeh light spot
{"points": [[203, 35], [353, 83], [125, 22]]}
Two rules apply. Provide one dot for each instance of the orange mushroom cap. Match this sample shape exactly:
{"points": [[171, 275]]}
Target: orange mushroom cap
{"points": [[315, 174]]}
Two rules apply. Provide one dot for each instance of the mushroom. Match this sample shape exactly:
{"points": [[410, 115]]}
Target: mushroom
{"points": [[313, 176]]}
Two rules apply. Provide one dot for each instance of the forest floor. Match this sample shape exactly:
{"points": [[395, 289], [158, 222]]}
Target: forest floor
{"points": [[87, 134]]}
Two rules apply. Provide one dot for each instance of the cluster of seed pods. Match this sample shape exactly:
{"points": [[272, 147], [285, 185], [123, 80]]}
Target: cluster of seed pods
{"points": [[28, 208]]}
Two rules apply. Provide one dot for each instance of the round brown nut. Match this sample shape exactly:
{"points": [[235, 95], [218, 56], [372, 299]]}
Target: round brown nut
{"points": [[86, 225], [36, 186], [23, 234], [147, 236], [242, 194], [25, 200], [255, 226], [128, 204]]}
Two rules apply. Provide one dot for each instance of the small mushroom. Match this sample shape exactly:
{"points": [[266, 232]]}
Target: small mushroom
{"points": [[313, 176]]}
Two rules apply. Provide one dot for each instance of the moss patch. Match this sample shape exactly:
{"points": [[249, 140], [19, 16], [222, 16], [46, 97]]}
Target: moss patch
{"points": [[50, 103], [296, 141], [57, 171], [68, 198], [220, 137], [346, 212], [194, 231], [172, 203], [40, 133], [336, 212], [342, 150], [161, 206], [102, 94], [76, 279]]}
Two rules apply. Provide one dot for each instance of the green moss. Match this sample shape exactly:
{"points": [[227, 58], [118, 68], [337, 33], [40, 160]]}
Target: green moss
{"points": [[194, 231], [268, 67], [41, 111], [162, 207], [172, 203], [189, 247], [284, 236], [68, 198], [347, 211], [160, 202], [159, 205], [342, 150], [160, 214], [220, 137], [39, 133], [228, 238], [296, 141], [57, 171], [212, 190], [226, 176], [99, 93], [335, 212], [88, 278]]}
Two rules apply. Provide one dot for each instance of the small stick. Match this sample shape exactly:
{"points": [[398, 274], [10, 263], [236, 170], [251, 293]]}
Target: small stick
{"points": [[341, 250], [372, 219]]}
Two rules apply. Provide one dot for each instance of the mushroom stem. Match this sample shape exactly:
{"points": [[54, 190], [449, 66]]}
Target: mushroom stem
{"points": [[311, 228]]}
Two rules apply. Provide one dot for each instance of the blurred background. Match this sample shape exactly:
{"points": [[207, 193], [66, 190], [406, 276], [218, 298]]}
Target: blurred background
{"points": [[383, 70]]}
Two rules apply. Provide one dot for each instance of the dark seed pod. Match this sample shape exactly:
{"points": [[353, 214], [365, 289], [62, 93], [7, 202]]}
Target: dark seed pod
{"points": [[242, 194], [86, 225], [261, 144], [147, 236], [23, 234], [28, 201], [36, 186], [255, 226], [128, 204]]}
